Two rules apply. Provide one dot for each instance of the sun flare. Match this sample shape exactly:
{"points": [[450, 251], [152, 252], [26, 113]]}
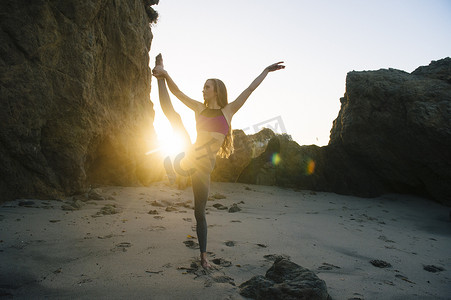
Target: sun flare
{"points": [[169, 143]]}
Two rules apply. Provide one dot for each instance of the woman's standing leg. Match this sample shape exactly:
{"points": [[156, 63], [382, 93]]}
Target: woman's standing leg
{"points": [[201, 187]]}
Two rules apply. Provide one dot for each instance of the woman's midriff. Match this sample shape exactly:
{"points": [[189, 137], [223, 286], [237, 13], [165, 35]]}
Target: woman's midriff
{"points": [[202, 154]]}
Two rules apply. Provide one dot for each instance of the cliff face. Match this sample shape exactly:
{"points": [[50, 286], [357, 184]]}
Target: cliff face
{"points": [[75, 85]]}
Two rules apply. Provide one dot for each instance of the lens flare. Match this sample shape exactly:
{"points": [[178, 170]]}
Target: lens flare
{"points": [[310, 167], [169, 145], [275, 159]]}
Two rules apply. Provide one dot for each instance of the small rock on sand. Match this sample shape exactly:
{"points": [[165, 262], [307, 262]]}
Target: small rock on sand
{"points": [[234, 208], [95, 194], [230, 243], [380, 263], [220, 206]]}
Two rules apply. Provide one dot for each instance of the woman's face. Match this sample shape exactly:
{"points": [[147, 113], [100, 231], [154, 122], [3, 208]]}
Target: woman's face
{"points": [[209, 91]]}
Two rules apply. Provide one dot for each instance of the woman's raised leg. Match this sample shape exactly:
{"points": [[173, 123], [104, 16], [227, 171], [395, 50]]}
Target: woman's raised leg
{"points": [[166, 105], [177, 125]]}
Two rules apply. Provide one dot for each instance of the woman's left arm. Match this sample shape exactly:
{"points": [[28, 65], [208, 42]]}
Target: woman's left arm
{"points": [[234, 106]]}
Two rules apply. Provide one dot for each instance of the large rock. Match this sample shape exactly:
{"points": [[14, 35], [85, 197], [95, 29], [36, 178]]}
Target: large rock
{"points": [[285, 280], [246, 147], [262, 169], [75, 84], [392, 134], [397, 126]]}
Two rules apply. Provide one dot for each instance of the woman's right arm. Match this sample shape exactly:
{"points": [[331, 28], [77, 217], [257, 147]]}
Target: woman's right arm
{"points": [[191, 103]]}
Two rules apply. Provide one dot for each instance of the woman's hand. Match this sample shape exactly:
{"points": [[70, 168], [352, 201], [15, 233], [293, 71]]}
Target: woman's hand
{"points": [[275, 67], [159, 72]]}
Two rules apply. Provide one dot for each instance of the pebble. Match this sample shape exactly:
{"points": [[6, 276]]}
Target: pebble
{"points": [[380, 263], [234, 208]]}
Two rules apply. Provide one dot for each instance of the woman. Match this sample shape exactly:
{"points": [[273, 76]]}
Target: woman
{"points": [[214, 136]]}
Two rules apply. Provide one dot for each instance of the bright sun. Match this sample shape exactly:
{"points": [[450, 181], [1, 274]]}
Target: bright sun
{"points": [[169, 142]]}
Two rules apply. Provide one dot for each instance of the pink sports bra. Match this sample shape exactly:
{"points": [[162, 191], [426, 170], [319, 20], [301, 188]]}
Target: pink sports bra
{"points": [[212, 120]]}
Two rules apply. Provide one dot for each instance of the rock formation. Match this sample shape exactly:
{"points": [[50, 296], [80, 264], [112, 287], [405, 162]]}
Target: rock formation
{"points": [[392, 134], [397, 127], [246, 147], [285, 280], [75, 85]]}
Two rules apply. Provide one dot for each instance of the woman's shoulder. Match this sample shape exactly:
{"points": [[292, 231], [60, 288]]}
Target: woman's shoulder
{"points": [[199, 108], [227, 112]]}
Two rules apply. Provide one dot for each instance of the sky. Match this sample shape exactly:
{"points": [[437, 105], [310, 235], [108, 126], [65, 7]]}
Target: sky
{"points": [[319, 42]]}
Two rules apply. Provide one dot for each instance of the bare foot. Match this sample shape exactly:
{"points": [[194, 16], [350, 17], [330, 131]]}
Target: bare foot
{"points": [[159, 68], [159, 61], [204, 261]]}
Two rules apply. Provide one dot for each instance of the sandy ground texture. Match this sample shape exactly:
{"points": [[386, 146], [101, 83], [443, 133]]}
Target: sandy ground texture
{"points": [[140, 243]]}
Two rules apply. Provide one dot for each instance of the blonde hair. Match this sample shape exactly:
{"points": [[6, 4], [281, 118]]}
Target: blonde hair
{"points": [[227, 146]]}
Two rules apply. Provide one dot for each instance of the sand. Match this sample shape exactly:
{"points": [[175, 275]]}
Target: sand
{"points": [[48, 252]]}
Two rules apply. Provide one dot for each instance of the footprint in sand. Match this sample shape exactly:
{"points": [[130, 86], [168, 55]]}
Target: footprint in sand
{"points": [[433, 269], [122, 247], [157, 204], [274, 257], [229, 243], [219, 279], [222, 262], [211, 276], [327, 267], [171, 209], [216, 196], [191, 244]]}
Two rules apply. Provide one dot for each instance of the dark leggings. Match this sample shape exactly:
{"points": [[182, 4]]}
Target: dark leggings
{"points": [[201, 187], [200, 181]]}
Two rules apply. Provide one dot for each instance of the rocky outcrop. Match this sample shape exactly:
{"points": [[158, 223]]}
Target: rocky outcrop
{"points": [[285, 280], [392, 134], [397, 127], [262, 169], [246, 147], [440, 69], [75, 85]]}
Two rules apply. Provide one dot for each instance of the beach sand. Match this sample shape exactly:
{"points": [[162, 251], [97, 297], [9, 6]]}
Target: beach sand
{"points": [[116, 249]]}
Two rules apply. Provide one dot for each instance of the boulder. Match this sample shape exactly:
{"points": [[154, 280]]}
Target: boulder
{"points": [[285, 280], [246, 147], [262, 169], [75, 85], [397, 127]]}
